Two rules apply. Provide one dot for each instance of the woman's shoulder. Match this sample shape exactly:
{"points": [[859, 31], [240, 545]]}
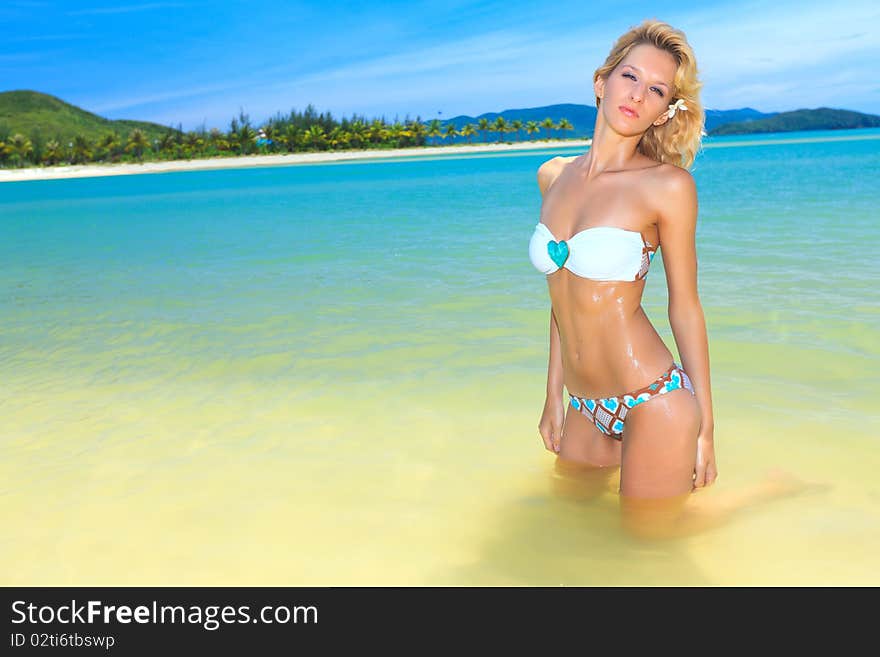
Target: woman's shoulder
{"points": [[555, 163], [666, 179], [673, 177], [675, 193], [550, 170]]}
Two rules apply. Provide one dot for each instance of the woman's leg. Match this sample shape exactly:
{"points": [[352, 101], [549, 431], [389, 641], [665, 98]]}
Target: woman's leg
{"points": [[657, 462], [581, 481], [583, 443], [588, 460], [657, 498], [660, 446]]}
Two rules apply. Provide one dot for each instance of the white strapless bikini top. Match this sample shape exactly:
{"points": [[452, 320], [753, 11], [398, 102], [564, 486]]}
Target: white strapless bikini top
{"points": [[602, 253]]}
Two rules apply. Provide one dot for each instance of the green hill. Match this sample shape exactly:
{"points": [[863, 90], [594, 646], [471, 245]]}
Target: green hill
{"points": [[822, 118], [34, 114]]}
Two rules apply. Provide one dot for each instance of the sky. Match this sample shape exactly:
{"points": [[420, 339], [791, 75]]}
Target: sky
{"points": [[200, 63]]}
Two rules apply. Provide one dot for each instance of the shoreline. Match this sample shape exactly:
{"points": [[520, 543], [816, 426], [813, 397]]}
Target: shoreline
{"points": [[248, 161]]}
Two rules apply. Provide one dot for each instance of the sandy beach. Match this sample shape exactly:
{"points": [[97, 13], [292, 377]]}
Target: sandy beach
{"points": [[95, 170]]}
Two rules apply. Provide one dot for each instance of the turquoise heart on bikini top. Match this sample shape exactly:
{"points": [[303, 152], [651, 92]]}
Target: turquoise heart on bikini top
{"points": [[558, 252]]}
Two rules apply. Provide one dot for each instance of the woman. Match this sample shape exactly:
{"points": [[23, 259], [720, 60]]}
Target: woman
{"points": [[604, 216]]}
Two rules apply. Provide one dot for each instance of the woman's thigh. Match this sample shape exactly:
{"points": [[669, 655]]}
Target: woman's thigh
{"points": [[582, 442], [660, 446]]}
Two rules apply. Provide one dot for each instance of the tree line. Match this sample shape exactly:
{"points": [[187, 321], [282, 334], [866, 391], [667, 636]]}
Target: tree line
{"points": [[296, 132]]}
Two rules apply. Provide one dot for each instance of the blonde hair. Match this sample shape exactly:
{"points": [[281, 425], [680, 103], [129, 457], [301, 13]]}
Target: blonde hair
{"points": [[678, 140]]}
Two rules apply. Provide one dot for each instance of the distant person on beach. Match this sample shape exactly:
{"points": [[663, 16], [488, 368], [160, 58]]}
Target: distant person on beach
{"points": [[605, 215]]}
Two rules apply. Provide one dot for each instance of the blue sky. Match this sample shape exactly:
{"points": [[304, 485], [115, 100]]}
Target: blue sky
{"points": [[200, 62]]}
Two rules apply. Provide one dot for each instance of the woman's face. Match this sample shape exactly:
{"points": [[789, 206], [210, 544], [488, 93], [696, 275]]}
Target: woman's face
{"points": [[641, 83]]}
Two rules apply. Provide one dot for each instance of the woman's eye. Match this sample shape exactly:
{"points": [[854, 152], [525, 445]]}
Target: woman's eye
{"points": [[630, 75]]}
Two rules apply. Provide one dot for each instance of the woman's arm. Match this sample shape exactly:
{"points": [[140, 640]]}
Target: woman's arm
{"points": [[553, 416], [678, 227], [554, 368], [677, 224], [547, 174]]}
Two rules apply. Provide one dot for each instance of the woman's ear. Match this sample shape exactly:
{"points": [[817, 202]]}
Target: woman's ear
{"points": [[661, 120], [599, 87]]}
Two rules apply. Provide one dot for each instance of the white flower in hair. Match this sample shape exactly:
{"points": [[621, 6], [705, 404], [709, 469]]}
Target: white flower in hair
{"points": [[678, 105]]}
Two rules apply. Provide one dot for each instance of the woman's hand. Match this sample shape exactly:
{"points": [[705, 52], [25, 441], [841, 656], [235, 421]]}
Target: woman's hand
{"points": [[550, 425], [705, 471]]}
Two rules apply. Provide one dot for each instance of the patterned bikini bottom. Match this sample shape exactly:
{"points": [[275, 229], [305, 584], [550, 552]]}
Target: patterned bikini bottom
{"points": [[608, 414]]}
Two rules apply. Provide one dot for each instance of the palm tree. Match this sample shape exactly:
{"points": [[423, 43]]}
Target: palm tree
{"points": [[246, 138], [193, 144], [517, 125], [53, 153], [397, 134], [500, 127], [81, 150], [308, 130], [532, 128], [242, 132], [110, 143], [167, 145], [5, 151], [434, 129], [417, 130], [216, 141], [565, 124], [338, 138], [291, 137], [137, 143], [378, 131], [271, 133], [20, 148], [360, 134], [451, 131], [484, 128], [315, 137]]}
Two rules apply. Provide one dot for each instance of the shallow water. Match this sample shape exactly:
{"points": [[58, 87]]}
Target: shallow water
{"points": [[332, 375]]}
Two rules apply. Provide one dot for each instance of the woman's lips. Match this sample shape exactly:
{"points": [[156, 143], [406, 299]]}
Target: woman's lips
{"points": [[628, 112]]}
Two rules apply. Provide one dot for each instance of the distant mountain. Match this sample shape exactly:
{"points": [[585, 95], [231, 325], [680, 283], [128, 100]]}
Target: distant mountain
{"points": [[715, 118], [583, 118], [42, 117], [718, 122], [31, 113], [823, 118]]}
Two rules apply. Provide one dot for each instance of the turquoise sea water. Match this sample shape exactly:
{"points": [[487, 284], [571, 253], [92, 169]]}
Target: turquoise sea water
{"points": [[333, 374]]}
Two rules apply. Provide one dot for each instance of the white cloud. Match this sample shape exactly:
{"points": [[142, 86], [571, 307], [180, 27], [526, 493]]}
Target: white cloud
{"points": [[151, 98]]}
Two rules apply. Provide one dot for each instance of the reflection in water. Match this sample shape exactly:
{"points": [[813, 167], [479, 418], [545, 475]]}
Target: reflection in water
{"points": [[573, 535], [571, 538], [577, 481], [678, 516]]}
